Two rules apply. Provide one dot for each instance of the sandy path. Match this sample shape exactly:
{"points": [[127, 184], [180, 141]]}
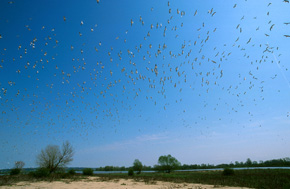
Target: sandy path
{"points": [[95, 182]]}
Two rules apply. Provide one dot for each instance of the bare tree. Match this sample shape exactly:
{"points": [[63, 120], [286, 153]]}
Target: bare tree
{"points": [[19, 165], [52, 158]]}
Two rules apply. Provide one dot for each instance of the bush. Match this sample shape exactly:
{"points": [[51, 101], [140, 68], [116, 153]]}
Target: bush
{"points": [[228, 172], [15, 171], [88, 171], [130, 172], [41, 172], [72, 172]]}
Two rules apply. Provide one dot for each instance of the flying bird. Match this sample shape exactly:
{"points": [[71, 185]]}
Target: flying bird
{"points": [[272, 27]]}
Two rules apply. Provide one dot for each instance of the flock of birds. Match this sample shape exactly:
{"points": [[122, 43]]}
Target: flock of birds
{"points": [[47, 90]]}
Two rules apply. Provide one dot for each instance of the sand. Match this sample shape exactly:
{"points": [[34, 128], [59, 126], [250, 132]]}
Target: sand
{"points": [[96, 182]]}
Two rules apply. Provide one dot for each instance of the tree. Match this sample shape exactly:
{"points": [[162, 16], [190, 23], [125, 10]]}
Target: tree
{"points": [[249, 162], [137, 166], [52, 158], [17, 168], [19, 164], [168, 163]]}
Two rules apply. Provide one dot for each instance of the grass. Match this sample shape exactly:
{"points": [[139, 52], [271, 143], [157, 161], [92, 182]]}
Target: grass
{"points": [[11, 180], [259, 178]]}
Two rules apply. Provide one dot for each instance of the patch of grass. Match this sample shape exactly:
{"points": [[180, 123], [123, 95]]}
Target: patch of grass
{"points": [[252, 178], [11, 180]]}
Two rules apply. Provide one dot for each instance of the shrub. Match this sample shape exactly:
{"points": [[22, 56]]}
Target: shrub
{"points": [[41, 172], [228, 172], [130, 172], [15, 171], [72, 172], [88, 171]]}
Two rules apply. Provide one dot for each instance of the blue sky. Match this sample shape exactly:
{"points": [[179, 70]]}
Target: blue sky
{"points": [[204, 81]]}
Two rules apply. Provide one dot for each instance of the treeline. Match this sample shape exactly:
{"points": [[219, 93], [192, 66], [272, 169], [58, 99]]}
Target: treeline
{"points": [[283, 162], [123, 168]]}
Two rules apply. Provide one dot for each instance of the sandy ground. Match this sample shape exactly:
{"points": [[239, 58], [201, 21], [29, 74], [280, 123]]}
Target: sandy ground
{"points": [[96, 182]]}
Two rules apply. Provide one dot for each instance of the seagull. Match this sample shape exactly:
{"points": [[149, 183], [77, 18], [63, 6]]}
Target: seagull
{"points": [[132, 22], [272, 27]]}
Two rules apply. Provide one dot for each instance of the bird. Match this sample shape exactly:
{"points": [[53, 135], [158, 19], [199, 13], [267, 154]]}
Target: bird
{"points": [[132, 22]]}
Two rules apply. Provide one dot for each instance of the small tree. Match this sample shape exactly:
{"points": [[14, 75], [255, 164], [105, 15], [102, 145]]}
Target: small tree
{"points": [[249, 162], [131, 172], [168, 163], [19, 164], [52, 158], [17, 168], [137, 166]]}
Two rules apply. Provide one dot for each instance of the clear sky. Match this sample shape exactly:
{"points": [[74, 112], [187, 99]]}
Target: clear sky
{"points": [[205, 81]]}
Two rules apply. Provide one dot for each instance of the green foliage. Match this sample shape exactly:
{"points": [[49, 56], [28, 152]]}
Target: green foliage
{"points": [[88, 171], [167, 163], [15, 171], [249, 162], [131, 172], [72, 172], [137, 166], [228, 172], [41, 172]]}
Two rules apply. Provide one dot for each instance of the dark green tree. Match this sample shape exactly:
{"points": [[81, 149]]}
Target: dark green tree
{"points": [[168, 163], [137, 166], [249, 162]]}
